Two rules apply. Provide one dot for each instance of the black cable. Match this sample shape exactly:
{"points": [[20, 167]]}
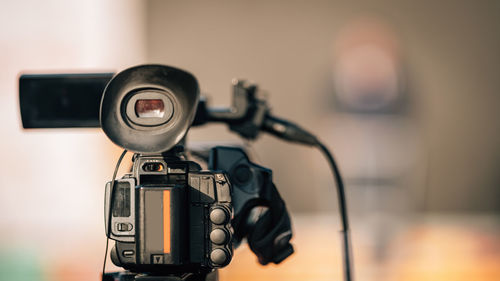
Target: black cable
{"points": [[346, 243], [292, 132], [111, 196]]}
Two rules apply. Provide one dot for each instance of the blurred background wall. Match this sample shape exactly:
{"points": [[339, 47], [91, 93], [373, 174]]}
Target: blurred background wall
{"points": [[440, 155], [437, 153]]}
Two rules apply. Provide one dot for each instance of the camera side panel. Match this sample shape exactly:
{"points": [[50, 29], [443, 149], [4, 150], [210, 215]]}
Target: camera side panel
{"points": [[123, 214]]}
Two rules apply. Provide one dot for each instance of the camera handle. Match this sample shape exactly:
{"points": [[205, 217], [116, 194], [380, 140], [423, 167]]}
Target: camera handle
{"points": [[250, 115]]}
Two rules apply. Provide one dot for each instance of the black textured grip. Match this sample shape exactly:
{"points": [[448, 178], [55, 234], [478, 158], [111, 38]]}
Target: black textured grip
{"points": [[269, 234], [270, 237]]}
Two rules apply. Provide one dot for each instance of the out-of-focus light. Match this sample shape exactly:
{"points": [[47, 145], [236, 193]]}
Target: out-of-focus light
{"points": [[366, 68]]}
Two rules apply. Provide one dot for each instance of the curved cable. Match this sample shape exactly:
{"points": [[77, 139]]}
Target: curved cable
{"points": [[346, 243], [292, 132]]}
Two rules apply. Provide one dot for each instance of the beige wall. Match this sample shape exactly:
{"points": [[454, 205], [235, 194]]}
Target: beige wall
{"points": [[444, 154]]}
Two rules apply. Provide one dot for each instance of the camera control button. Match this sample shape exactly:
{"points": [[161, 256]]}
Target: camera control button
{"points": [[218, 256], [218, 216], [218, 236], [128, 253], [124, 226], [157, 259]]}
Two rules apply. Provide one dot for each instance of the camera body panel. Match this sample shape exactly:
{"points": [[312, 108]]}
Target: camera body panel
{"points": [[167, 215]]}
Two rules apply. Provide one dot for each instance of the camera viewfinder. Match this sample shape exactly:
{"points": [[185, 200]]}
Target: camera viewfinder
{"points": [[150, 108]]}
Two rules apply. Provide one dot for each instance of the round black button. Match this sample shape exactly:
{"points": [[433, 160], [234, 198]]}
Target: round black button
{"points": [[218, 256], [218, 216], [218, 236], [242, 174]]}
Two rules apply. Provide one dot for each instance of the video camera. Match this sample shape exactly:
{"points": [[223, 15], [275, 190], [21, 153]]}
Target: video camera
{"points": [[170, 219]]}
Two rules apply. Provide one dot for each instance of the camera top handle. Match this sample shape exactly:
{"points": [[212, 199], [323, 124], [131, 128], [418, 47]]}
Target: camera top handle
{"points": [[250, 115]]}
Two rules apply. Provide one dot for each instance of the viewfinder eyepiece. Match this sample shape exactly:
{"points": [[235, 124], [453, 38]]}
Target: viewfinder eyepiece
{"points": [[149, 108]]}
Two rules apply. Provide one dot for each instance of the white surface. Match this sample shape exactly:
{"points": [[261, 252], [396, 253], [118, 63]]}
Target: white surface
{"points": [[52, 181]]}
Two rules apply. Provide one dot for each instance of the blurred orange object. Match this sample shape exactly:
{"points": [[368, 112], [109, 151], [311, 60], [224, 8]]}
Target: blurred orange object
{"points": [[456, 252], [429, 248]]}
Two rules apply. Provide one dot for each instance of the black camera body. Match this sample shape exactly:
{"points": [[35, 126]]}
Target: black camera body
{"points": [[169, 216], [170, 219]]}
